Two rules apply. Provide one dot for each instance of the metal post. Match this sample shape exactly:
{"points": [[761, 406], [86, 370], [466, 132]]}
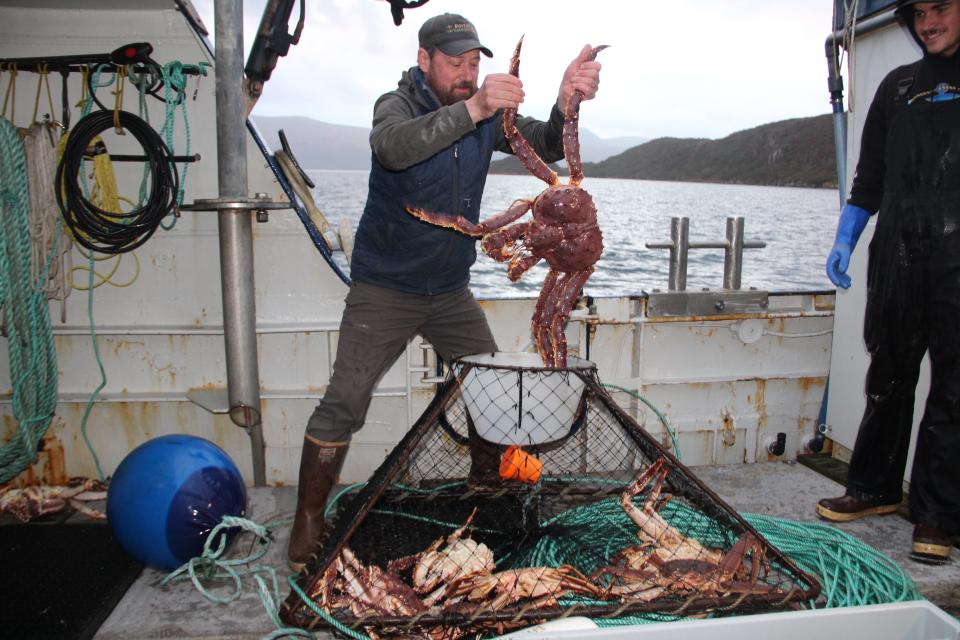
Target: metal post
{"points": [[236, 234], [733, 253], [679, 247], [680, 238], [835, 83]]}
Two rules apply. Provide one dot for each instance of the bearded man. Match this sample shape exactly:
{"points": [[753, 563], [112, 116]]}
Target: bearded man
{"points": [[432, 140]]}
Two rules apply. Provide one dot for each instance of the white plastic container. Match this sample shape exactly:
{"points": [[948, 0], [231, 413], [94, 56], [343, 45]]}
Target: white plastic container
{"points": [[915, 620], [513, 399]]}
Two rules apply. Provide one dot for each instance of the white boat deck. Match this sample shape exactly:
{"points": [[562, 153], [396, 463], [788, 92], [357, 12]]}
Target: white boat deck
{"points": [[783, 490]]}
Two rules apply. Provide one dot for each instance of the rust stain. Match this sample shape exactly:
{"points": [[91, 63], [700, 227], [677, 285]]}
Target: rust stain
{"points": [[56, 471], [711, 318], [50, 468], [761, 402], [122, 345], [10, 425], [728, 430]]}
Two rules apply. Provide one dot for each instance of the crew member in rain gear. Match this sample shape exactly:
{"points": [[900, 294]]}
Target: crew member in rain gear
{"points": [[432, 140], [909, 175]]}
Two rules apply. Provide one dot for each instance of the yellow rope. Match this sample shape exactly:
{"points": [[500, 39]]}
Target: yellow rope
{"points": [[105, 195], [42, 78], [118, 101], [84, 80], [11, 92]]}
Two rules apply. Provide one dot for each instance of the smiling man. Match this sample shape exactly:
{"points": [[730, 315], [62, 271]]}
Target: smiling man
{"points": [[909, 175], [432, 140]]}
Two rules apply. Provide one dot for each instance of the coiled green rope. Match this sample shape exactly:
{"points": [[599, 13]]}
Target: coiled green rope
{"points": [[851, 572], [33, 358]]}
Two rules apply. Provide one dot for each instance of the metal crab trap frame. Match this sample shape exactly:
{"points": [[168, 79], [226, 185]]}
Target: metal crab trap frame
{"points": [[523, 494]]}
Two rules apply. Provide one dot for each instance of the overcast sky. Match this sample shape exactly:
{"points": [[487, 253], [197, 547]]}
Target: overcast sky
{"points": [[684, 68]]}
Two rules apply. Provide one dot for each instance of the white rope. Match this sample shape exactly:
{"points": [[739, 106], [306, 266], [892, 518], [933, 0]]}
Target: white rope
{"points": [[44, 217]]}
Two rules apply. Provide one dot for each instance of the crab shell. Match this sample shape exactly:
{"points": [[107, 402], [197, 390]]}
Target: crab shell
{"points": [[460, 558]]}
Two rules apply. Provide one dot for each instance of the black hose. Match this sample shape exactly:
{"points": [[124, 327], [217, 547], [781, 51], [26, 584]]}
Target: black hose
{"points": [[114, 232]]}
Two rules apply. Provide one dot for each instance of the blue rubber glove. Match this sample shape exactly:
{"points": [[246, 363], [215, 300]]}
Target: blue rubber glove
{"points": [[853, 219]]}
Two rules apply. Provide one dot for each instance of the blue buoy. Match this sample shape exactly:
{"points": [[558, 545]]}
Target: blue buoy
{"points": [[168, 494]]}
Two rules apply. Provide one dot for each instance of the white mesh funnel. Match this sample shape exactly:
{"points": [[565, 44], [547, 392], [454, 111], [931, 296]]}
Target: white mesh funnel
{"points": [[513, 399]]}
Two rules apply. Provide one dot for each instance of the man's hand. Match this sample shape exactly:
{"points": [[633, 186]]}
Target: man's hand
{"points": [[498, 91], [582, 74]]}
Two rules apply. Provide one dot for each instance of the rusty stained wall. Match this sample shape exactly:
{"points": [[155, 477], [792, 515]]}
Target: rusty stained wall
{"points": [[724, 397]]}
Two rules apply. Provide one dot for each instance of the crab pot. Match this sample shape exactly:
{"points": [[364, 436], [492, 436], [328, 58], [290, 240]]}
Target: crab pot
{"points": [[447, 540], [513, 399]]}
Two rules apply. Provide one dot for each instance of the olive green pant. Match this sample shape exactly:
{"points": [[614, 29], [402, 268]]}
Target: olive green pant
{"points": [[377, 324]]}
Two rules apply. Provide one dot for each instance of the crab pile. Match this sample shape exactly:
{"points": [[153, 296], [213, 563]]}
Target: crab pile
{"points": [[455, 577]]}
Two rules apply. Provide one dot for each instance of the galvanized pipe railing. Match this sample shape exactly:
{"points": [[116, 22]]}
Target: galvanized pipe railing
{"points": [[680, 245], [236, 233]]}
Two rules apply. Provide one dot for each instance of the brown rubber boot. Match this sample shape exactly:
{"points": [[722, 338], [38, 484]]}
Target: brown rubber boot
{"points": [[930, 545], [320, 464], [848, 508], [484, 462]]}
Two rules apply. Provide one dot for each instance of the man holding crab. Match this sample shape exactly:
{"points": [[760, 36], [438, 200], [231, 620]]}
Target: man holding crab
{"points": [[432, 140]]}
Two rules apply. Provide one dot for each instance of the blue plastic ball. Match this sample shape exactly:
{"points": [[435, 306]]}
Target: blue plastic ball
{"points": [[168, 494]]}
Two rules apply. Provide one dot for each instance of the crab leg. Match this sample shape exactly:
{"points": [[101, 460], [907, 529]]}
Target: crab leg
{"points": [[501, 245], [653, 527], [569, 289], [520, 264], [571, 129], [464, 226], [521, 148], [538, 325]]}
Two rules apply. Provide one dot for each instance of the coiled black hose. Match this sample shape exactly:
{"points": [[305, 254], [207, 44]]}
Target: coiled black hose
{"points": [[113, 232]]}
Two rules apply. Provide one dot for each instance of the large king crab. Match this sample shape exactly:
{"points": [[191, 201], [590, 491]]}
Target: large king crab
{"points": [[563, 230]]}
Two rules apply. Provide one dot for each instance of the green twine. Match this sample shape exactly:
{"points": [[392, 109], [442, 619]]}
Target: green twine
{"points": [[32, 353], [663, 419], [174, 80], [211, 566], [175, 90]]}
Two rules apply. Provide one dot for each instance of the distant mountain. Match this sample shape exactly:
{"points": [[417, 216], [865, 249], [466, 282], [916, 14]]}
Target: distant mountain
{"points": [[797, 152], [321, 145], [593, 148]]}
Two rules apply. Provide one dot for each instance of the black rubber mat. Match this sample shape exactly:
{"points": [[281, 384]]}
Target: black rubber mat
{"points": [[826, 465], [60, 580]]}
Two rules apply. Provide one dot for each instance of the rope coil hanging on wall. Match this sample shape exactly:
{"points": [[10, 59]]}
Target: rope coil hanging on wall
{"points": [[115, 232]]}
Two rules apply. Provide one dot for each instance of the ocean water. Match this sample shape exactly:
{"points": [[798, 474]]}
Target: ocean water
{"points": [[798, 226]]}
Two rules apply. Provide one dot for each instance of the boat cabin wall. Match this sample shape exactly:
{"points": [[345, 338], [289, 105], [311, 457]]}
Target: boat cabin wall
{"points": [[157, 310]]}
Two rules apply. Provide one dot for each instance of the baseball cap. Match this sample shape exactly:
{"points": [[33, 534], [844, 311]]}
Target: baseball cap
{"points": [[452, 34]]}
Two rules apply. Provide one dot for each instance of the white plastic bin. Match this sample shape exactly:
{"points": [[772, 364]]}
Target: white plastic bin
{"points": [[513, 399], [915, 620]]}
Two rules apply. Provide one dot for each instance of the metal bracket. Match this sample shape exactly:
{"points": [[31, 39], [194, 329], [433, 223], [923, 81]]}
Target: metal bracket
{"points": [[260, 205], [681, 304]]}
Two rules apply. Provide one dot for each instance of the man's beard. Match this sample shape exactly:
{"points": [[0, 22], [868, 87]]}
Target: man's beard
{"points": [[449, 95]]}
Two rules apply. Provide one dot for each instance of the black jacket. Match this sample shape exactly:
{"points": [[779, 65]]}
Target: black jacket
{"points": [[909, 80]]}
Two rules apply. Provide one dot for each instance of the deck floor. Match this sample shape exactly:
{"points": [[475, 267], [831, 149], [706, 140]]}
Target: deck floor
{"points": [[784, 490]]}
